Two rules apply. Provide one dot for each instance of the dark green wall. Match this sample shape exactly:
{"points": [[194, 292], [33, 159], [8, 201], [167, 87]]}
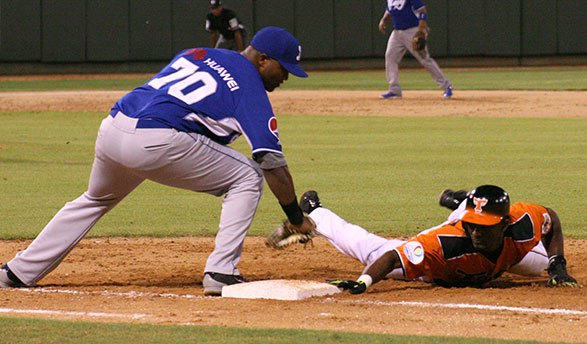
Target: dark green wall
{"points": [[539, 24], [20, 30], [316, 31], [154, 30], [107, 31]]}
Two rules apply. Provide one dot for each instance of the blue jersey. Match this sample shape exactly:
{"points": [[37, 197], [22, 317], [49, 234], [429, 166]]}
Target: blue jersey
{"points": [[214, 92], [403, 13]]}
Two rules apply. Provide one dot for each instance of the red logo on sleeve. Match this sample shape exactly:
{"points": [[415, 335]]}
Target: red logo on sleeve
{"points": [[197, 54], [272, 124]]}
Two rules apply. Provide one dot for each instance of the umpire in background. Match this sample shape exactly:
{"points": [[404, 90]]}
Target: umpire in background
{"points": [[226, 30]]}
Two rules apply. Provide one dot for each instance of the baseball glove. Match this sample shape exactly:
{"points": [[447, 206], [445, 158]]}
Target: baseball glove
{"points": [[287, 234], [419, 41]]}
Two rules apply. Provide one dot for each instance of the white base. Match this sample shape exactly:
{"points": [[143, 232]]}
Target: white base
{"points": [[279, 290]]}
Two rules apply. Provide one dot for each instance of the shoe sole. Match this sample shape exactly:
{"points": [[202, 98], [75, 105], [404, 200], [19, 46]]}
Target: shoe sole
{"points": [[213, 292], [394, 97]]}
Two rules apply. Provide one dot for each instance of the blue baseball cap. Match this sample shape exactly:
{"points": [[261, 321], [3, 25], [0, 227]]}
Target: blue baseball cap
{"points": [[282, 46]]}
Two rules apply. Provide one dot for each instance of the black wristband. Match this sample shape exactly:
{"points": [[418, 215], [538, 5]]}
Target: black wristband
{"points": [[555, 263], [293, 212]]}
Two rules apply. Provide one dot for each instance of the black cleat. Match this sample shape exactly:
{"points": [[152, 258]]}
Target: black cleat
{"points": [[310, 201], [452, 199], [214, 281]]}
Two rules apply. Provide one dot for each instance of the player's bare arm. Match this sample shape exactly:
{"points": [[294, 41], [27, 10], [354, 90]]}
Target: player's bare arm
{"points": [[238, 38], [375, 273], [383, 266], [552, 239], [552, 235], [281, 184], [383, 22], [423, 17], [213, 39]]}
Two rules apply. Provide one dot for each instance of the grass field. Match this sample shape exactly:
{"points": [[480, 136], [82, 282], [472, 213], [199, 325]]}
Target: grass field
{"points": [[61, 332], [387, 181], [560, 79]]}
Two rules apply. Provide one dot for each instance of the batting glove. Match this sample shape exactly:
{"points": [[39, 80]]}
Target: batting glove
{"points": [[558, 275], [353, 286]]}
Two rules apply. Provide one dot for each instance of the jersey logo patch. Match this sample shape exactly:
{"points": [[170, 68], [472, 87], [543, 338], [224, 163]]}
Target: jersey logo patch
{"points": [[479, 204], [547, 225], [398, 4], [272, 125], [197, 53], [414, 251]]}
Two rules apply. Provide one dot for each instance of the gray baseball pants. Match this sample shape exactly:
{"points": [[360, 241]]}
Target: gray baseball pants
{"points": [[400, 41], [124, 157]]}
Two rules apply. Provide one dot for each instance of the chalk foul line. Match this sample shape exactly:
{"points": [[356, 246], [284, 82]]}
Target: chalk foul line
{"points": [[71, 313], [528, 310], [512, 309]]}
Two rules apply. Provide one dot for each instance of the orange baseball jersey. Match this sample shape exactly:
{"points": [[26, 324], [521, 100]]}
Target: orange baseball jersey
{"points": [[446, 255]]}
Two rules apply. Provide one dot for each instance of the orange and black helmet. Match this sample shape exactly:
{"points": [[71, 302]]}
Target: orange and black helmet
{"points": [[487, 205]]}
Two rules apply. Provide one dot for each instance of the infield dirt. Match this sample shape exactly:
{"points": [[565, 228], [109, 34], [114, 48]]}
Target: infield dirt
{"points": [[159, 280], [537, 104]]}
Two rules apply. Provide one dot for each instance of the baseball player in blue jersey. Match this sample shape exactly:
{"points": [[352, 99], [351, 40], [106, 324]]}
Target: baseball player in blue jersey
{"points": [[174, 130], [409, 20]]}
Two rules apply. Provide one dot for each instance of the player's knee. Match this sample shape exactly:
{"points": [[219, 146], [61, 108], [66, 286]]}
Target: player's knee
{"points": [[106, 199]]}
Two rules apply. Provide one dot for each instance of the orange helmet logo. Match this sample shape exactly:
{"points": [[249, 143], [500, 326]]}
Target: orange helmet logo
{"points": [[479, 204]]}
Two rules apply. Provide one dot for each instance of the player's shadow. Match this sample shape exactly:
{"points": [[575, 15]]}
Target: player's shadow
{"points": [[391, 286], [508, 284], [168, 283]]}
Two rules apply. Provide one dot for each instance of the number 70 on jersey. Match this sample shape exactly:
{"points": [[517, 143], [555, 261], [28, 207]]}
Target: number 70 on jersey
{"points": [[190, 77]]}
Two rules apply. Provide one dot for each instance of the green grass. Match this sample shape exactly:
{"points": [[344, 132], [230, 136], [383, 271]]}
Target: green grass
{"points": [[115, 83], [15, 330], [487, 79], [490, 79], [387, 180]]}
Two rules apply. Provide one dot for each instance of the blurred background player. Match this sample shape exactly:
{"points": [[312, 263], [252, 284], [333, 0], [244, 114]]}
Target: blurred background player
{"points": [[483, 238], [226, 30], [409, 18]]}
